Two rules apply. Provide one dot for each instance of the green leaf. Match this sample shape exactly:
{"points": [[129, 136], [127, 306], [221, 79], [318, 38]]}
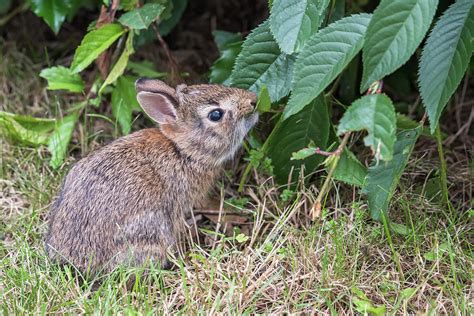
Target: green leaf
{"points": [[366, 307], [382, 178], [25, 129], [263, 103], [262, 63], [93, 44], [445, 58], [437, 251], [310, 125], [53, 12], [124, 102], [324, 57], [230, 45], [303, 153], [294, 21], [59, 140], [145, 69], [395, 31], [167, 25], [376, 114], [141, 18], [121, 63], [350, 170], [62, 78]]}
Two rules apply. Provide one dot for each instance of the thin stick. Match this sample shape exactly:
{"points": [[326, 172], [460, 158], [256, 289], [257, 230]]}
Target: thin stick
{"points": [[316, 209], [175, 77]]}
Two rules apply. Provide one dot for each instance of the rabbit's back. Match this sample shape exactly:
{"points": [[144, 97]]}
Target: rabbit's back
{"points": [[117, 199]]}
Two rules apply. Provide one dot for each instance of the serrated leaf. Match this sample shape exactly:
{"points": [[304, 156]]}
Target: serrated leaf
{"points": [[25, 129], [310, 125], [376, 114], [167, 25], [293, 21], [394, 32], [262, 63], [324, 57], [124, 103], [121, 63], [53, 12], [230, 45], [59, 140], [382, 178], [263, 103], [145, 69], [445, 58], [303, 153], [62, 78], [141, 18], [93, 44], [350, 170]]}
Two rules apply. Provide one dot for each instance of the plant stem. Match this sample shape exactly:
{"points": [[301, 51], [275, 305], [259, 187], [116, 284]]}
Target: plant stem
{"points": [[316, 209], [443, 179]]}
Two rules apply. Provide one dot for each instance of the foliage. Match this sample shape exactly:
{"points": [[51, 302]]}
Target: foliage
{"points": [[303, 61]]}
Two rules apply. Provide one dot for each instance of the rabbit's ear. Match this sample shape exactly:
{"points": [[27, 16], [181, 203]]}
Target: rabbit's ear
{"points": [[157, 99]]}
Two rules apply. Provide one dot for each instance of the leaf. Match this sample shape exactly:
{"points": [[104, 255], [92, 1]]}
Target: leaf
{"points": [[310, 125], [145, 69], [230, 45], [263, 103], [59, 140], [61, 78], [53, 12], [262, 63], [93, 44], [303, 153], [382, 178], [324, 57], [399, 228], [394, 32], [167, 25], [365, 306], [141, 18], [293, 21], [121, 63], [350, 170], [436, 252], [25, 129], [124, 102], [445, 58], [376, 114]]}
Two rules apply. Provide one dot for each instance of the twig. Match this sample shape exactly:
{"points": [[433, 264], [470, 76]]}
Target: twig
{"points": [[175, 77], [316, 209]]}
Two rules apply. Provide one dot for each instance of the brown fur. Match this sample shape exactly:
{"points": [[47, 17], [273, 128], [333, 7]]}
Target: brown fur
{"points": [[126, 202]]}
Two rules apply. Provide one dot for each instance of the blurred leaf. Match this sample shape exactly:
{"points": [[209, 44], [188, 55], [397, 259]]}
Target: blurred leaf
{"points": [[128, 5], [62, 78], [25, 129], [394, 32], [367, 307], [141, 18], [124, 102], [399, 228], [145, 69], [374, 113], [338, 11], [404, 122], [264, 103], [59, 140], [436, 252], [383, 178], [303, 153], [309, 125], [5, 6], [93, 44], [445, 57], [262, 63], [230, 45], [293, 21], [121, 63], [349, 169], [167, 25], [53, 12], [324, 57]]}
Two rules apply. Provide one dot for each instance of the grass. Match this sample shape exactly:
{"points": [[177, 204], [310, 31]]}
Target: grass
{"points": [[266, 258], [340, 264]]}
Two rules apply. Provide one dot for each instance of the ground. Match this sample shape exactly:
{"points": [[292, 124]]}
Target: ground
{"points": [[265, 255]]}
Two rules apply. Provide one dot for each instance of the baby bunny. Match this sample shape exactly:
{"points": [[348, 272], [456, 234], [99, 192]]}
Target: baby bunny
{"points": [[126, 203]]}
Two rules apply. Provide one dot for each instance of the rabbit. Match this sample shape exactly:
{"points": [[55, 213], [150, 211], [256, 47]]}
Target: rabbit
{"points": [[127, 202]]}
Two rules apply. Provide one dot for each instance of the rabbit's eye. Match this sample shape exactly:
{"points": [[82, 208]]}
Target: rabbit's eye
{"points": [[215, 115]]}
